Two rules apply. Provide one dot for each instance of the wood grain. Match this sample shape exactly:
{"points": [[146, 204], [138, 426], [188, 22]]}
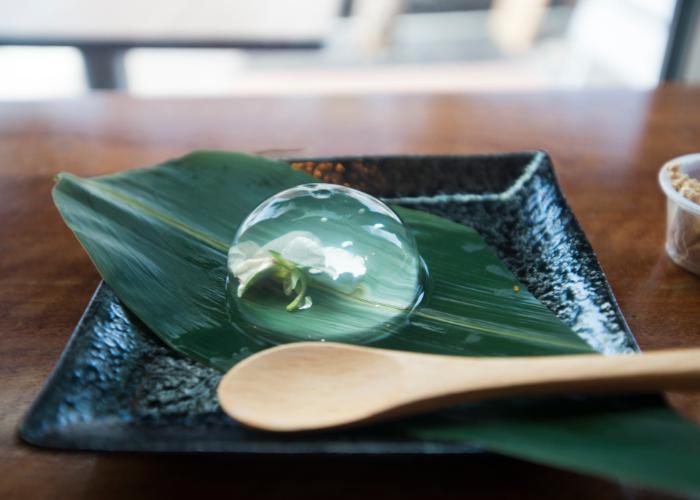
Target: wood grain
{"points": [[606, 145]]}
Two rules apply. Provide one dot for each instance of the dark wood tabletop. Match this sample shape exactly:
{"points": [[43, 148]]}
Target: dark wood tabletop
{"points": [[607, 147]]}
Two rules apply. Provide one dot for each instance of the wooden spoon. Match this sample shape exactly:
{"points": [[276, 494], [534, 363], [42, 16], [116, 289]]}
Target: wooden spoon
{"points": [[322, 385]]}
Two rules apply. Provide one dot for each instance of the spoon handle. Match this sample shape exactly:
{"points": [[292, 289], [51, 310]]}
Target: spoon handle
{"points": [[495, 377]]}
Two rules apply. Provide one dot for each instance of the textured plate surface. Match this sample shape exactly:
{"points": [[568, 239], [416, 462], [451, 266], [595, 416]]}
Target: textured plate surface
{"points": [[116, 387]]}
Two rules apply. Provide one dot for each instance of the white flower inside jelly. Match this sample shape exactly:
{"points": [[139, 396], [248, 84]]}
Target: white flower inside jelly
{"points": [[338, 258], [289, 258]]}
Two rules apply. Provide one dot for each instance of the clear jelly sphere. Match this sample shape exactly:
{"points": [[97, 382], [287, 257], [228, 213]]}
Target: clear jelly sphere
{"points": [[323, 262]]}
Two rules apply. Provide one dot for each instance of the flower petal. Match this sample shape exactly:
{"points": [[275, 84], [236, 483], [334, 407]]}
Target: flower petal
{"points": [[252, 274], [304, 252]]}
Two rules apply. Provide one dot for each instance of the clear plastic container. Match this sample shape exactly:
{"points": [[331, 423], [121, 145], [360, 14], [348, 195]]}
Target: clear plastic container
{"points": [[682, 216]]}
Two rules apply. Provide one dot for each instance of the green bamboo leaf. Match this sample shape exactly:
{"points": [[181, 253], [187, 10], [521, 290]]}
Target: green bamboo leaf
{"points": [[640, 441], [159, 237]]}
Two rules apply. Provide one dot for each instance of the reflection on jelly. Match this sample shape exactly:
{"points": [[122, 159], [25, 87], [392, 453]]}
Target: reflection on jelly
{"points": [[323, 261]]}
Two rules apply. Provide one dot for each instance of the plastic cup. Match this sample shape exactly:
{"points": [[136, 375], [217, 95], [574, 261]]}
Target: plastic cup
{"points": [[682, 216]]}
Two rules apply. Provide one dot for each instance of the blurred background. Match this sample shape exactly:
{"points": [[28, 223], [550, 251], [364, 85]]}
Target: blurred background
{"points": [[163, 48]]}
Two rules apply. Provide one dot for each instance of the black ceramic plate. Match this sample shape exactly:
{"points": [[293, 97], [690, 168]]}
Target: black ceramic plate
{"points": [[117, 387]]}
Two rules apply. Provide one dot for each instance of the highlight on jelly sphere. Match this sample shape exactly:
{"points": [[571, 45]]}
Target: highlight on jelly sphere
{"points": [[321, 261]]}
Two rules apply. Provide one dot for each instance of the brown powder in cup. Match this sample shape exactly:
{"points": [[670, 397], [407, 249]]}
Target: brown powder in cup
{"points": [[683, 230], [683, 183]]}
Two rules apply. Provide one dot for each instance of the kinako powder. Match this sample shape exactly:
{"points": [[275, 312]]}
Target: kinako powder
{"points": [[683, 237], [683, 183]]}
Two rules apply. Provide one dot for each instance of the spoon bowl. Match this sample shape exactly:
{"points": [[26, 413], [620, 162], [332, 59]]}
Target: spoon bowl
{"points": [[314, 387]]}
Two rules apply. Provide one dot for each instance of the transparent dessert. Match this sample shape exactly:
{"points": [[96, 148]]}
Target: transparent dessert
{"points": [[321, 261]]}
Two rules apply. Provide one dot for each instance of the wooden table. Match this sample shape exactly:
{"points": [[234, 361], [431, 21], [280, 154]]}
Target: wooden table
{"points": [[607, 147]]}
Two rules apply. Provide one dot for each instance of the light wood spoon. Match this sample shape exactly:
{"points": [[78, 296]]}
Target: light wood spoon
{"points": [[322, 385]]}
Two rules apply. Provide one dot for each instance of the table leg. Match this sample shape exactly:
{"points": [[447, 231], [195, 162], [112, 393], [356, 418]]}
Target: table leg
{"points": [[104, 67]]}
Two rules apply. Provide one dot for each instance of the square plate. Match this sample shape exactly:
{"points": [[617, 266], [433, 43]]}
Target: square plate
{"points": [[117, 387]]}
